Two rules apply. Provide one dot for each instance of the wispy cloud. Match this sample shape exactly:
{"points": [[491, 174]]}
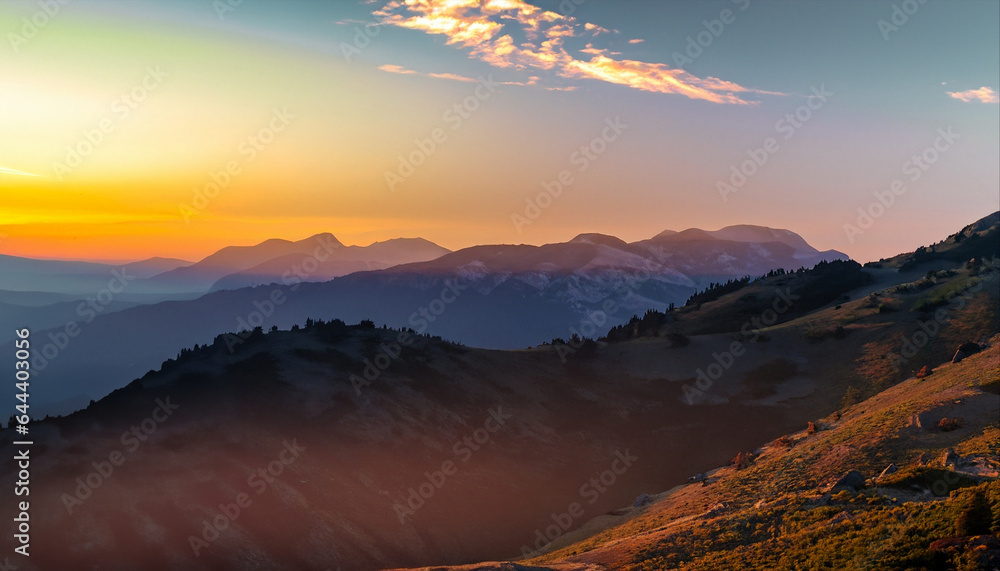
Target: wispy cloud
{"points": [[396, 69], [636, 41], [392, 68], [983, 95], [4, 170], [481, 26], [595, 29]]}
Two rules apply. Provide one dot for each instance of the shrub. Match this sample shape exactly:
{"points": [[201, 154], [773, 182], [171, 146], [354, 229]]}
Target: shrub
{"points": [[743, 460], [852, 396], [924, 372], [976, 518]]}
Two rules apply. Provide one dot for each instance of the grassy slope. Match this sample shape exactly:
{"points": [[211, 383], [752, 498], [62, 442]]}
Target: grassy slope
{"points": [[725, 526]]}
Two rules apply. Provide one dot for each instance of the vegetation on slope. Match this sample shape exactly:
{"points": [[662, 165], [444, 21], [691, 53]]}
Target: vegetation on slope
{"points": [[784, 511]]}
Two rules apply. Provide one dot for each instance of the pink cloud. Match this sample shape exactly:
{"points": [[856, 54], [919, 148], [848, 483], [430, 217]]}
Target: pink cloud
{"points": [[481, 27], [983, 95], [392, 68]]}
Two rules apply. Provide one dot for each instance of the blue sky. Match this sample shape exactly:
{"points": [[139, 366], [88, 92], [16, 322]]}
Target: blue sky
{"points": [[361, 107]]}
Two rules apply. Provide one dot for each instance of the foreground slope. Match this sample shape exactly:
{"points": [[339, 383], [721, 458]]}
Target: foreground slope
{"points": [[927, 494], [348, 498]]}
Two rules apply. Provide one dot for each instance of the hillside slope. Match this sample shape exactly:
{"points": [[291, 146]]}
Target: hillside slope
{"points": [[917, 501]]}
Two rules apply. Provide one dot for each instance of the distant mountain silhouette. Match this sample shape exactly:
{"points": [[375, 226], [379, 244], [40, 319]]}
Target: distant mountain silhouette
{"points": [[506, 296], [273, 261], [72, 277], [340, 261]]}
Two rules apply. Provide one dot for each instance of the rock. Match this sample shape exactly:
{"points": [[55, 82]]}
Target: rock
{"points": [[699, 477], [890, 469], [948, 424], [950, 458], [643, 500], [851, 481], [964, 350]]}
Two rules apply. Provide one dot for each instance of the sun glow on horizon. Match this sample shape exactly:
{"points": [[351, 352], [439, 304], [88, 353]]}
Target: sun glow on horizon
{"points": [[178, 133]]}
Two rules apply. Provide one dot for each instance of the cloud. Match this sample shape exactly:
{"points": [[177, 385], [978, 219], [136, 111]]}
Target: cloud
{"points": [[396, 69], [453, 77], [15, 172], [983, 95], [487, 29], [392, 68], [636, 41], [595, 29]]}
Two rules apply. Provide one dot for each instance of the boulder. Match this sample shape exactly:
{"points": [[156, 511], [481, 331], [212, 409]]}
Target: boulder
{"points": [[851, 481], [964, 350], [643, 500]]}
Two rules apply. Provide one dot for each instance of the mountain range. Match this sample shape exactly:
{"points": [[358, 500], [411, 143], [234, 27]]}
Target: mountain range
{"points": [[505, 296], [680, 439]]}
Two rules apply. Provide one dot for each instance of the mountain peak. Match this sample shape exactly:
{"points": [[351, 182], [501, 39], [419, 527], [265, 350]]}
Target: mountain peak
{"points": [[689, 235], [598, 239], [324, 238], [761, 234]]}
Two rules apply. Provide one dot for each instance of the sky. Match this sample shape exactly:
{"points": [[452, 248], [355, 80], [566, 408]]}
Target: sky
{"points": [[174, 128]]}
